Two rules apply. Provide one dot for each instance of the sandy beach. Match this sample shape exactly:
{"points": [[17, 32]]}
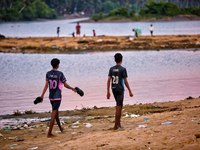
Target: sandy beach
{"points": [[157, 126], [98, 43]]}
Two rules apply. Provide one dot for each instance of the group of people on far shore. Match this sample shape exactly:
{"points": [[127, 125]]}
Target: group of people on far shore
{"points": [[138, 31], [78, 31]]}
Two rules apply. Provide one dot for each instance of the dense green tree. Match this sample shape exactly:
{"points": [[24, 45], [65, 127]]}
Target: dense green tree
{"points": [[108, 6], [192, 10], [160, 8], [10, 14], [42, 10], [123, 12], [25, 10]]}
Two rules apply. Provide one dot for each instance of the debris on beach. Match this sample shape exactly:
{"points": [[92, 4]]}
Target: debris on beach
{"points": [[166, 123], [76, 123], [146, 118], [190, 97], [33, 148], [197, 135], [12, 138], [75, 126], [88, 125], [142, 126], [130, 116]]}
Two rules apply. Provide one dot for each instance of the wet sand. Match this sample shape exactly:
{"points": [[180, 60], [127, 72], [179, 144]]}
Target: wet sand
{"points": [[182, 132], [98, 43]]}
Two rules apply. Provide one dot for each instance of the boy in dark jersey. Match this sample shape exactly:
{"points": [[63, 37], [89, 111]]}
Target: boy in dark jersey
{"points": [[55, 79], [119, 76]]}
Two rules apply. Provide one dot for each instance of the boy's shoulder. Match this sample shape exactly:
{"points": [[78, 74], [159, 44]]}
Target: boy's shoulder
{"points": [[117, 68], [54, 72]]}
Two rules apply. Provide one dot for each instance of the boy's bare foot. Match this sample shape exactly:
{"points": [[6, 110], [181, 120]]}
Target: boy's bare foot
{"points": [[62, 130], [50, 136]]}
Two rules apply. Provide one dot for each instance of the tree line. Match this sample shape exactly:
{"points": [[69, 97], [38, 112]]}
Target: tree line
{"points": [[153, 10], [14, 10]]}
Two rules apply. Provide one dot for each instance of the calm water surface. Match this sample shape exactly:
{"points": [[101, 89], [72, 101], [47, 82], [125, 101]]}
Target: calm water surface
{"points": [[153, 76], [48, 28]]}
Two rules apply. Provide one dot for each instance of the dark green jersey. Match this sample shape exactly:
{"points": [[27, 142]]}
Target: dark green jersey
{"points": [[118, 74]]}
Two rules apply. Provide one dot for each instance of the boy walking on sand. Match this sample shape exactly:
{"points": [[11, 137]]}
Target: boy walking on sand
{"points": [[119, 76], [55, 79]]}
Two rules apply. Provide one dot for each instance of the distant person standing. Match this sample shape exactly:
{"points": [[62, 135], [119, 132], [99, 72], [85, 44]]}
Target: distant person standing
{"points": [[73, 35], [151, 29], [58, 31], [78, 29], [94, 34]]}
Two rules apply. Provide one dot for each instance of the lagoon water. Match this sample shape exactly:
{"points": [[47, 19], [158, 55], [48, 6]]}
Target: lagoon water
{"points": [[154, 76], [48, 28]]}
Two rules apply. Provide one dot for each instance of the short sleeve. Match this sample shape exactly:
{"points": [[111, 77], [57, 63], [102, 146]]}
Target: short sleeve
{"points": [[62, 78], [124, 74], [110, 74], [47, 77]]}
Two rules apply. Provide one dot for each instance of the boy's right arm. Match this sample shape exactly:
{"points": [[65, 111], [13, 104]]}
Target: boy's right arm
{"points": [[44, 90], [108, 87]]}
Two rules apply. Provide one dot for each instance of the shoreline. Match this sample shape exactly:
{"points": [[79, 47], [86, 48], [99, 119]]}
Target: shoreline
{"points": [[96, 111], [175, 18], [89, 20], [62, 45], [157, 125]]}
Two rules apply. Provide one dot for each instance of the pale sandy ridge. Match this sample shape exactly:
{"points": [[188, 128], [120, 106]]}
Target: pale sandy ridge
{"points": [[98, 43]]}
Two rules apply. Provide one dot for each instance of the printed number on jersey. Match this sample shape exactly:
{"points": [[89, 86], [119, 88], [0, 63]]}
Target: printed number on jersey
{"points": [[115, 79], [53, 84]]}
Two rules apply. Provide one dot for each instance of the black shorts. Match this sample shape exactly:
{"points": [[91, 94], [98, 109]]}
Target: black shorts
{"points": [[55, 104], [119, 96]]}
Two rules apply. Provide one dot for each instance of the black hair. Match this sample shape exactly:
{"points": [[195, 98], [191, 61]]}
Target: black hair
{"points": [[55, 62], [118, 57]]}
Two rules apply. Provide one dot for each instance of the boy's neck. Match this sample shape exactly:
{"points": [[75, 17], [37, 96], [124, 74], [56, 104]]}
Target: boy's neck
{"points": [[118, 64]]}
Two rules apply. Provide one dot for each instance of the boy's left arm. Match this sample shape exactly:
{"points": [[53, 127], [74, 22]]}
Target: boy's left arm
{"points": [[127, 85], [69, 87]]}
